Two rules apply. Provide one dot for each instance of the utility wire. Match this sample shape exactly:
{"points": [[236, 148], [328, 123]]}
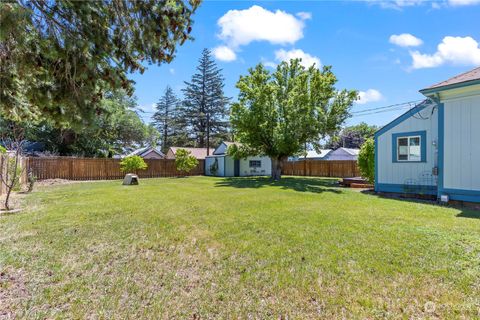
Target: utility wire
{"points": [[393, 106]]}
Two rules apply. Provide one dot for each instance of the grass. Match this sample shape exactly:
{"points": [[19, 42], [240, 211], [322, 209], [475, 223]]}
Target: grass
{"points": [[202, 247]]}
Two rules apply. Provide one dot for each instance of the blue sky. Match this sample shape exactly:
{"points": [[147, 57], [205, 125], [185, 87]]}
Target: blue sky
{"points": [[386, 50]]}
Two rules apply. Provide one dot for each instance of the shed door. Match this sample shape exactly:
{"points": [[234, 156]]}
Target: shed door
{"points": [[236, 168]]}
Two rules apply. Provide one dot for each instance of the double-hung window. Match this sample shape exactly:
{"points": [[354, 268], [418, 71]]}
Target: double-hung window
{"points": [[409, 148]]}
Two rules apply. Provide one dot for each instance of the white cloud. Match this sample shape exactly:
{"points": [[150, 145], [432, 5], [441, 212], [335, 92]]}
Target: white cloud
{"points": [[307, 59], [452, 50], [270, 64], [304, 15], [224, 53], [172, 71], [405, 40], [240, 27], [398, 4], [371, 95], [456, 3]]}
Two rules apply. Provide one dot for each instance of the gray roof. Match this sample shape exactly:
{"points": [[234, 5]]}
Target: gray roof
{"points": [[465, 77], [142, 151]]}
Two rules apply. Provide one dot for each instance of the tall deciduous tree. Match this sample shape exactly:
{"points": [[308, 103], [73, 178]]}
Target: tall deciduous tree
{"points": [[58, 58], [277, 114], [166, 117], [205, 105]]}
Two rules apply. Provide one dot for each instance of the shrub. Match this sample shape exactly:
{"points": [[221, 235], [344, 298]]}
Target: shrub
{"points": [[132, 163], [184, 161], [366, 160]]}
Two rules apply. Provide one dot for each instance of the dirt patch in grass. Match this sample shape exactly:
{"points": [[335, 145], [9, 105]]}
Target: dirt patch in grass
{"points": [[13, 291]]}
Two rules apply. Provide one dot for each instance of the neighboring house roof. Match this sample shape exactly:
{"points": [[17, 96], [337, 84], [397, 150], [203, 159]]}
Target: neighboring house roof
{"points": [[343, 154], [353, 152], [313, 154], [199, 153], [465, 78], [144, 151]]}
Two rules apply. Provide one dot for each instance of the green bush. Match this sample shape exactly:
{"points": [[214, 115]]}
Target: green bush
{"points": [[366, 160], [184, 161], [132, 163]]}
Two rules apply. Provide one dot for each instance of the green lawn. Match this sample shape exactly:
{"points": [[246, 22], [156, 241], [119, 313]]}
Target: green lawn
{"points": [[202, 247]]}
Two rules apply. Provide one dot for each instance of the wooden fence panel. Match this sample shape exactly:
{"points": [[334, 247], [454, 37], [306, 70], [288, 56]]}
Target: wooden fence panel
{"points": [[322, 168], [101, 169], [105, 169]]}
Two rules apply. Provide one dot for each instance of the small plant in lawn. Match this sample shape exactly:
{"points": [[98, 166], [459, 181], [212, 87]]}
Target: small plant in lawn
{"points": [[31, 181], [366, 160], [184, 161], [132, 164]]}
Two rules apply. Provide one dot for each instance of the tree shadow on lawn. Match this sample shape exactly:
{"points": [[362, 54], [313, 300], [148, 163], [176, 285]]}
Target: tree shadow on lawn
{"points": [[315, 185], [466, 211]]}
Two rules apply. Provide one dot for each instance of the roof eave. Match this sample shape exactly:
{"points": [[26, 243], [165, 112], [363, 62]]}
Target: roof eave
{"points": [[430, 91]]}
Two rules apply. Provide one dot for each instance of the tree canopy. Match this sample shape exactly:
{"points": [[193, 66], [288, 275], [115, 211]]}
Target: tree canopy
{"points": [[117, 131], [278, 113], [352, 136], [59, 58]]}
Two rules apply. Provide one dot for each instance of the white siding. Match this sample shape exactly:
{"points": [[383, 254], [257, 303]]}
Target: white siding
{"points": [[462, 143], [210, 160], [390, 172], [264, 170]]}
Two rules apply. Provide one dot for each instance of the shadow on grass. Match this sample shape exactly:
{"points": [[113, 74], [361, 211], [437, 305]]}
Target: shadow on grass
{"points": [[315, 185], [467, 211], [472, 214]]}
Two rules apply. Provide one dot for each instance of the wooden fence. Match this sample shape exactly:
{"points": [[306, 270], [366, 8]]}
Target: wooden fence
{"points": [[322, 168], [101, 169], [105, 169]]}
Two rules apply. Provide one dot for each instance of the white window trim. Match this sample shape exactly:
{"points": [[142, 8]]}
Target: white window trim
{"points": [[408, 146]]}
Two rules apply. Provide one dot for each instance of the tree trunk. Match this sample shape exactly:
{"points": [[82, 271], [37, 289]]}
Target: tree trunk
{"points": [[277, 166]]}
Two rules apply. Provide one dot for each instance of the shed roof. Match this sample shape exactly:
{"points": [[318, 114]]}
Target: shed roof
{"points": [[465, 78]]}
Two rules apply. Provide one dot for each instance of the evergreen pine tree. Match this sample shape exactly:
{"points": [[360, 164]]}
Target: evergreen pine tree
{"points": [[204, 107], [165, 118]]}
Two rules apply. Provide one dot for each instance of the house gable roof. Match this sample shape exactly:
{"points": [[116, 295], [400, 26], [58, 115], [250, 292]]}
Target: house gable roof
{"points": [[460, 80], [224, 145], [419, 107], [143, 151]]}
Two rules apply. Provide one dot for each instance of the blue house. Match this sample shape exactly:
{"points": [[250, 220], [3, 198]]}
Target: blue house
{"points": [[434, 148]]}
